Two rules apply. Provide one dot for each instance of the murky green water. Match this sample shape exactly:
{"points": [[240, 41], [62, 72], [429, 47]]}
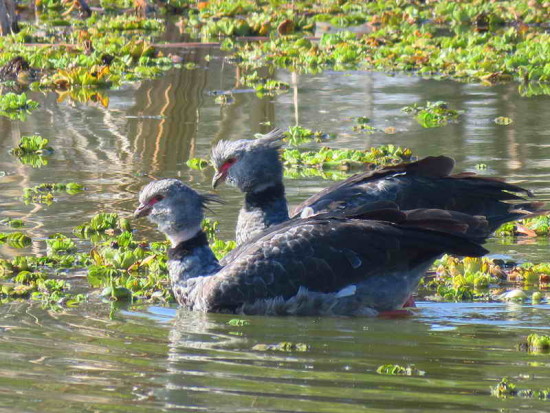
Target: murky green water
{"points": [[153, 358]]}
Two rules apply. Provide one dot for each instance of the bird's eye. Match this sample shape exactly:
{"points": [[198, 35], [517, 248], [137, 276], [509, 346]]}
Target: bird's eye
{"points": [[227, 164], [155, 199]]}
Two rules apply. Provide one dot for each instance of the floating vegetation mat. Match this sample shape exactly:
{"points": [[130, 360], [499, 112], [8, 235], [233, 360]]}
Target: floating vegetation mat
{"points": [[485, 279], [79, 52]]}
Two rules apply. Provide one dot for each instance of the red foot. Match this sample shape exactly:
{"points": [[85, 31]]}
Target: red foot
{"points": [[395, 314]]}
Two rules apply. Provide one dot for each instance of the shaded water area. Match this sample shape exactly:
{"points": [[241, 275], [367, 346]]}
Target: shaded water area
{"points": [[148, 357]]}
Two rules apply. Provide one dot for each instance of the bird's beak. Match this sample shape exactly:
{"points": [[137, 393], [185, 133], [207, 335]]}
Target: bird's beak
{"points": [[142, 211], [218, 177]]}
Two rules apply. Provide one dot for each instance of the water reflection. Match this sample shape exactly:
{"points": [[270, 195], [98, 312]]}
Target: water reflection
{"points": [[155, 358], [213, 366], [163, 359], [151, 128]]}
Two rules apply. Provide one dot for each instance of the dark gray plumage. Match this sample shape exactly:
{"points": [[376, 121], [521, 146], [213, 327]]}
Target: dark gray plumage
{"points": [[423, 184], [320, 265]]}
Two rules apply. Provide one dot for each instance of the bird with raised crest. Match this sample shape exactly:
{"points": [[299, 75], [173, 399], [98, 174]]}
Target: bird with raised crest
{"points": [[255, 168], [357, 262]]}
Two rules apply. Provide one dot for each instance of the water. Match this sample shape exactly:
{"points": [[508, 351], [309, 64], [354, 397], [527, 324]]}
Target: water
{"points": [[151, 358]]}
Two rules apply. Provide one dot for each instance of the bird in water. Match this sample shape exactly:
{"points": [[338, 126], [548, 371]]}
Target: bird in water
{"points": [[357, 262], [254, 166]]}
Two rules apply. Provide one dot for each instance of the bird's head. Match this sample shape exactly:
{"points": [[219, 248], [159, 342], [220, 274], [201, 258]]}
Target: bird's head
{"points": [[249, 164], [176, 208]]}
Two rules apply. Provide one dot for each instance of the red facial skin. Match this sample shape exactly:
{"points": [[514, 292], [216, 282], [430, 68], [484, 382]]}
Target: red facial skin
{"points": [[145, 209], [221, 174]]}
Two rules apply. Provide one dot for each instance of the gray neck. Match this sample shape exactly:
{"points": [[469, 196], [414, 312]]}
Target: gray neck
{"points": [[261, 210], [191, 263]]}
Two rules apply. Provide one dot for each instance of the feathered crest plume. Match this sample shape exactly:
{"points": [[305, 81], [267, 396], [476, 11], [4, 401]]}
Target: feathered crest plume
{"points": [[225, 149]]}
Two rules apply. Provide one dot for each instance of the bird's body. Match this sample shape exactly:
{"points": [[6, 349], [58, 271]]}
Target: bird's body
{"points": [[323, 265], [256, 169]]}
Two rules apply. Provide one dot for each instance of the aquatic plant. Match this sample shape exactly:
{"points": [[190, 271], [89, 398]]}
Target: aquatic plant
{"points": [[503, 120], [15, 239], [536, 343], [434, 114], [197, 163], [238, 322], [532, 227], [464, 279], [397, 370], [59, 243], [285, 346], [94, 77], [124, 22], [13, 223], [34, 144], [345, 158], [485, 42], [473, 279], [16, 106], [298, 135], [507, 388], [362, 125], [32, 150], [43, 193]]}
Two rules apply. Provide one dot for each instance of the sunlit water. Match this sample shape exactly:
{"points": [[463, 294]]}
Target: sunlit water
{"points": [[148, 358]]}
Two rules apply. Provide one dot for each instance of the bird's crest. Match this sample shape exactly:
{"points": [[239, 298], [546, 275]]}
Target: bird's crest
{"points": [[225, 149]]}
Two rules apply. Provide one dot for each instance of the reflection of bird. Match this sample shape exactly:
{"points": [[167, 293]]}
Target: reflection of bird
{"points": [[319, 265], [254, 166]]}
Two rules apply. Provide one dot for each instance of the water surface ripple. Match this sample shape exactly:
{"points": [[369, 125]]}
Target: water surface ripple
{"points": [[153, 358]]}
